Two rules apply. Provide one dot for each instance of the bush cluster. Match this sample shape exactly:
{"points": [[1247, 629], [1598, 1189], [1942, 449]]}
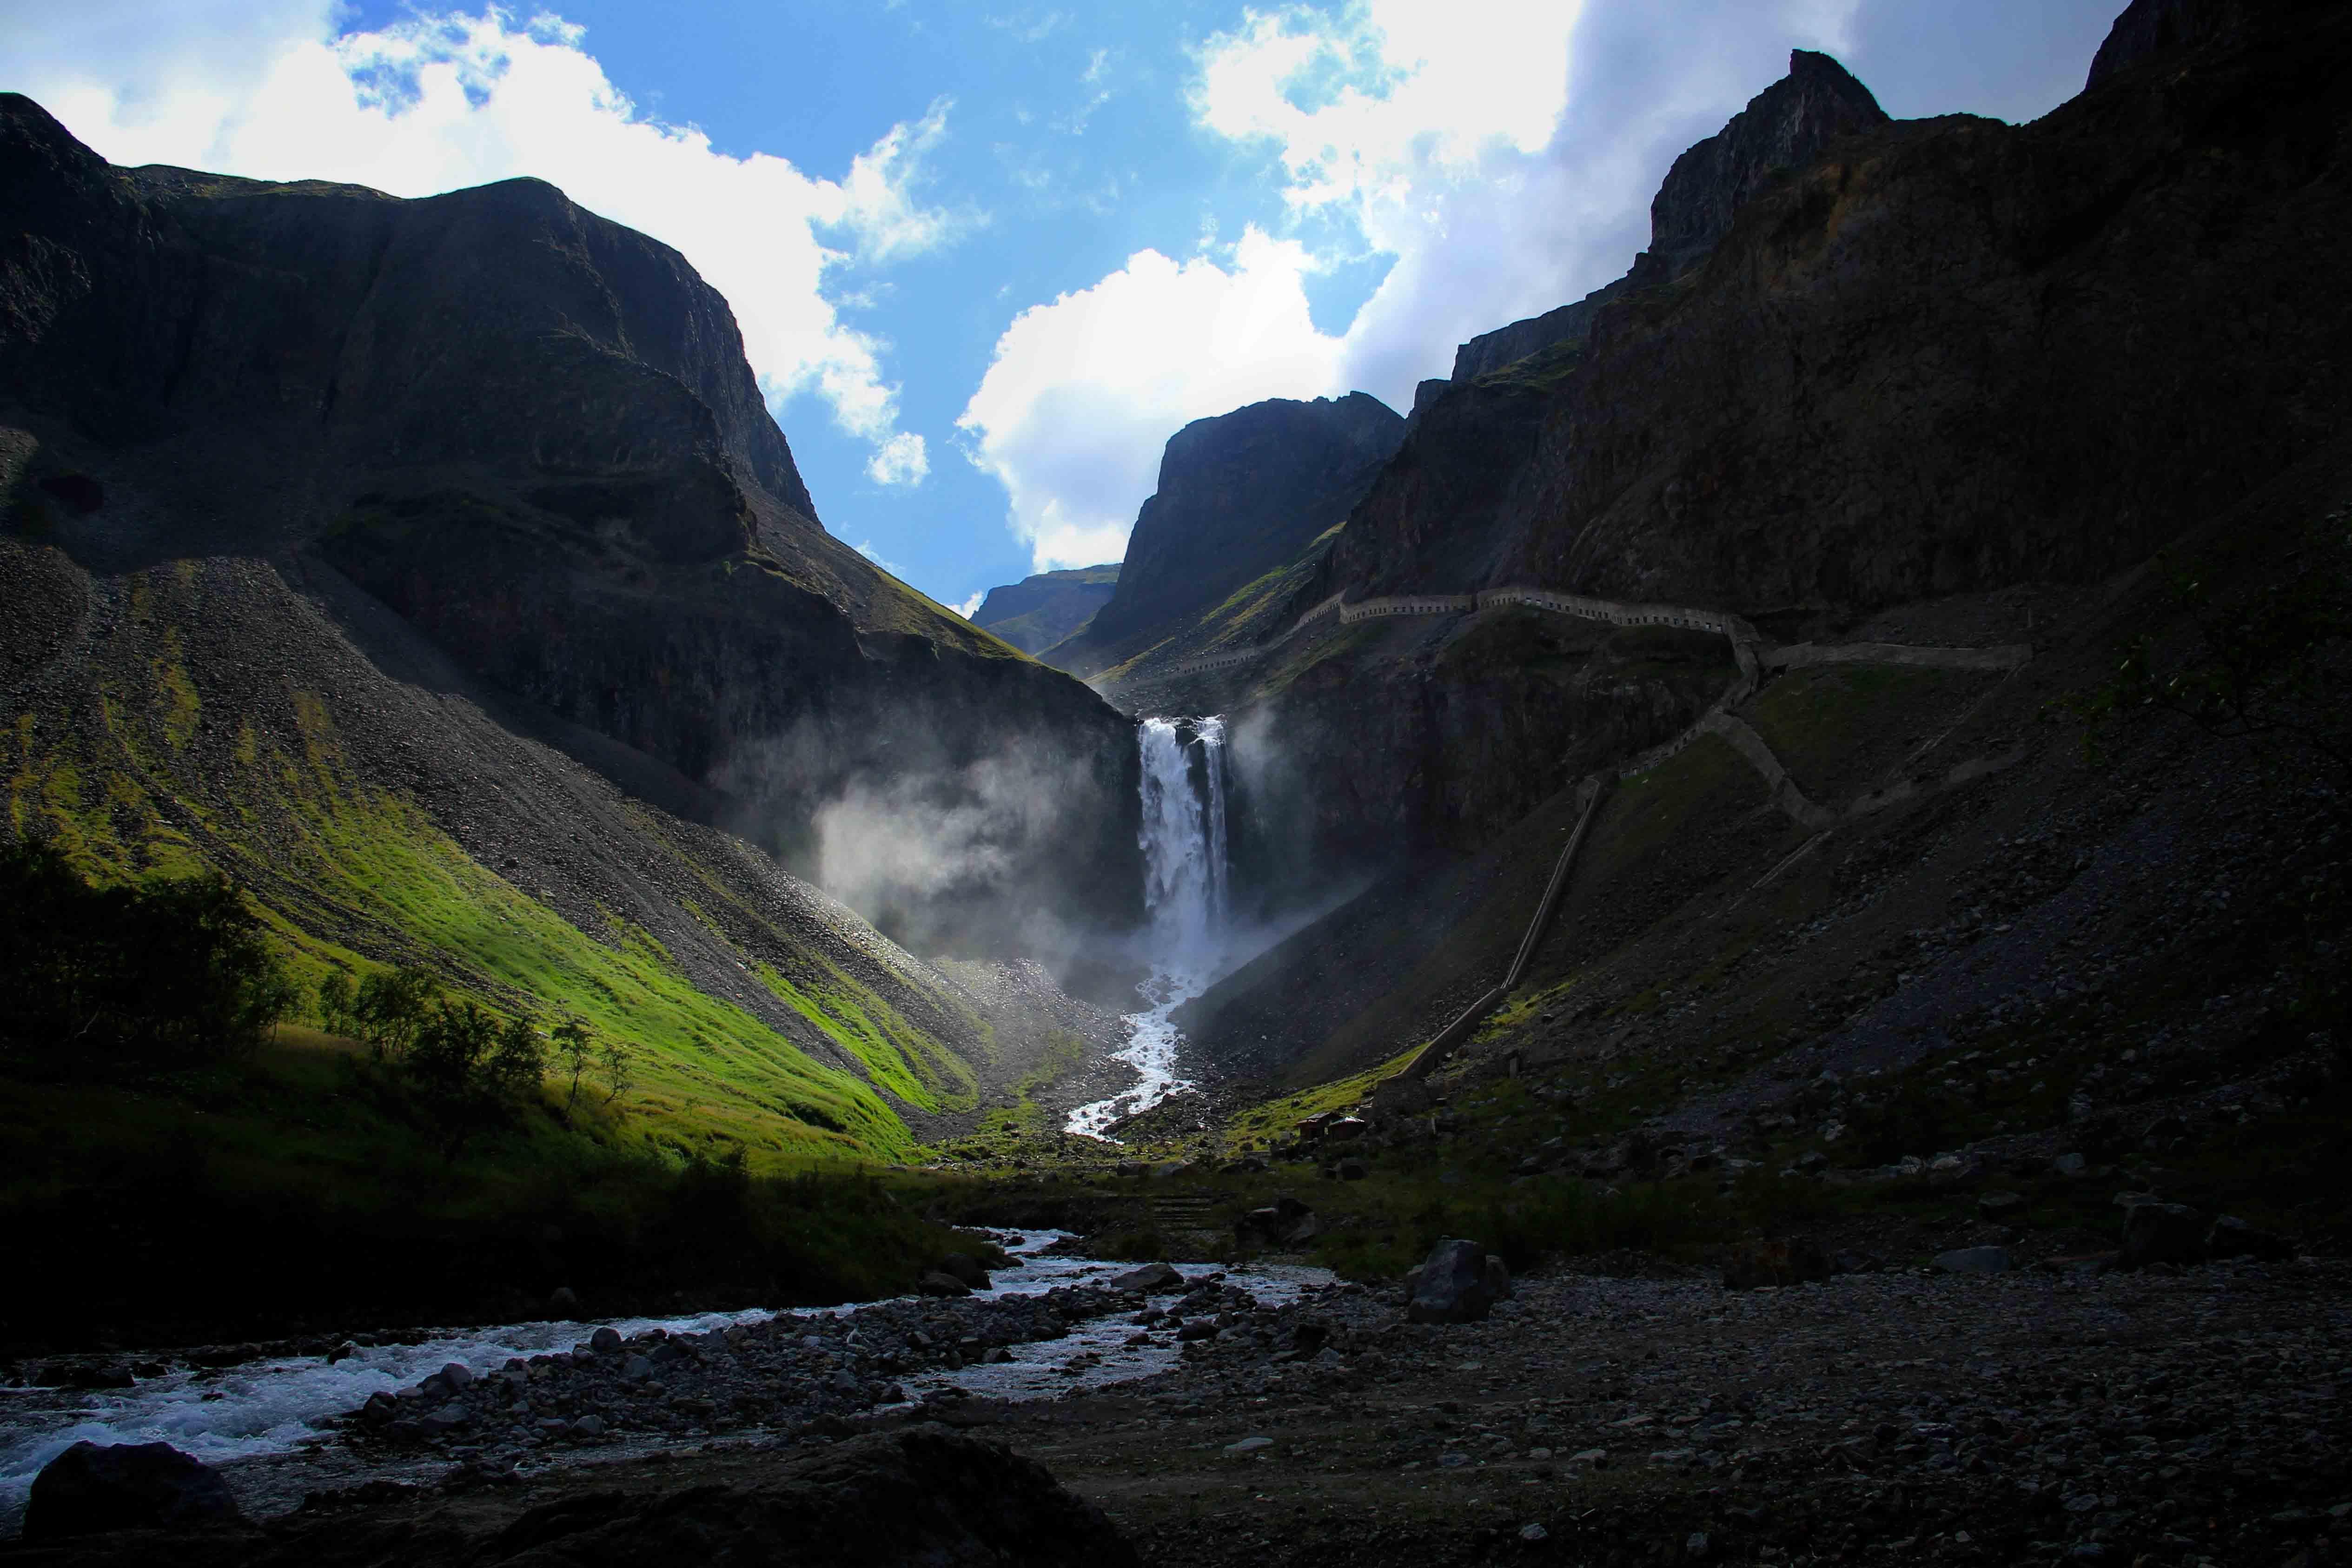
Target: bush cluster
{"points": [[131, 978]]}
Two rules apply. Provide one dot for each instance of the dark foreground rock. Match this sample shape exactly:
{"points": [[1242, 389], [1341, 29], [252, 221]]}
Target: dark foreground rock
{"points": [[923, 1495], [91, 1489]]}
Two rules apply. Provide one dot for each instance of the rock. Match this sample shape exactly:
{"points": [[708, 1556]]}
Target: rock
{"points": [[1974, 1261], [448, 1418], [934, 1283], [2162, 1233], [1247, 1447], [1597, 1457], [457, 1375], [1532, 1533], [963, 1265], [1498, 1278], [1788, 1260], [2233, 1238], [1284, 1222], [2070, 1166], [1196, 1329], [1151, 1279], [635, 1367], [564, 1302], [1696, 1547], [1453, 1285], [2001, 1205], [588, 1426], [1353, 1170], [93, 1487], [605, 1341]]}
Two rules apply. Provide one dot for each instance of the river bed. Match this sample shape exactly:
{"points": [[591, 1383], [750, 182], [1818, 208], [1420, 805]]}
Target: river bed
{"points": [[266, 1423]]}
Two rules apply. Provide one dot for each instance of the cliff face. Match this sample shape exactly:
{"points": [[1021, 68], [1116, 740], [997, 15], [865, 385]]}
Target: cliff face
{"points": [[1038, 612], [1784, 127], [533, 434], [1952, 354], [1239, 495]]}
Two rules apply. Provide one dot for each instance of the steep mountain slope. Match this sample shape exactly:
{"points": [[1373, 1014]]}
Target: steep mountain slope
{"points": [[1953, 363], [1950, 355], [1783, 127], [434, 569], [533, 434], [1038, 612], [1239, 496]]}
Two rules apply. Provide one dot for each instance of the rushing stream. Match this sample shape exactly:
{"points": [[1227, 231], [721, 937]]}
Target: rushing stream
{"points": [[1185, 869], [264, 1421]]}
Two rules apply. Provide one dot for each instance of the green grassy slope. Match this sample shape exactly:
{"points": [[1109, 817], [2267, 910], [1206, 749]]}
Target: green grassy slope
{"points": [[201, 714]]}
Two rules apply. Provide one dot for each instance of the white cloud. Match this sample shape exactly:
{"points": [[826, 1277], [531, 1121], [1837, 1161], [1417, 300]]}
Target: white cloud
{"points": [[970, 607], [1084, 390], [865, 548], [902, 459], [436, 102]]}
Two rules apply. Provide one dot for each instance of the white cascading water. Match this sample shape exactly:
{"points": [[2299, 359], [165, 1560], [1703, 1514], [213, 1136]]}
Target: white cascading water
{"points": [[1184, 892]]}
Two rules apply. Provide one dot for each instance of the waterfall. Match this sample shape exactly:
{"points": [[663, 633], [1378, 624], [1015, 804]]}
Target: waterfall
{"points": [[1186, 892], [1184, 841]]}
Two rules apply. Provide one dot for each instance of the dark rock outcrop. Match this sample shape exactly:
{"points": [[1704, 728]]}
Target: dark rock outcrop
{"points": [[1785, 126], [533, 434], [92, 1488], [1038, 612], [2149, 28], [1951, 355], [1239, 495]]}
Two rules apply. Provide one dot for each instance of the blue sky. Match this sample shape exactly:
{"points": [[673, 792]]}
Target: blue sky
{"points": [[988, 257]]}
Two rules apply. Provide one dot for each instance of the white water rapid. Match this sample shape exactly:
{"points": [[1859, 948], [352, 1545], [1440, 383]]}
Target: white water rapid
{"points": [[1184, 895]]}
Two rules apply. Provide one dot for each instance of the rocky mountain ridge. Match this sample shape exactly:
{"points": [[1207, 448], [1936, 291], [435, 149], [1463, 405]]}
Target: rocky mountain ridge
{"points": [[533, 434], [1783, 127], [1040, 609]]}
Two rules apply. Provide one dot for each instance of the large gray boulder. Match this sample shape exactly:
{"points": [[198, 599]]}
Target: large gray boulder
{"points": [[1458, 1283], [93, 1487], [2163, 1233]]}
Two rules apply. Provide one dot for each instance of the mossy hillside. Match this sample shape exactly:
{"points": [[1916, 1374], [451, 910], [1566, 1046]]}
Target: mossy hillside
{"points": [[153, 778]]}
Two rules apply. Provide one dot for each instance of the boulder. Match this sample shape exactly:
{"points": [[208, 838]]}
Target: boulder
{"points": [[934, 1283], [1151, 1279], [1785, 1261], [2162, 1233], [965, 1266], [605, 1341], [1974, 1261], [2001, 1205], [92, 1488], [1284, 1221], [1453, 1285], [2233, 1238], [564, 1302]]}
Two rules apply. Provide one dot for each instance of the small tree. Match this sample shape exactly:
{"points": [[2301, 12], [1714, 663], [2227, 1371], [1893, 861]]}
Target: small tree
{"points": [[519, 1061], [337, 999], [390, 1010], [618, 1066], [575, 1051], [449, 1063]]}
